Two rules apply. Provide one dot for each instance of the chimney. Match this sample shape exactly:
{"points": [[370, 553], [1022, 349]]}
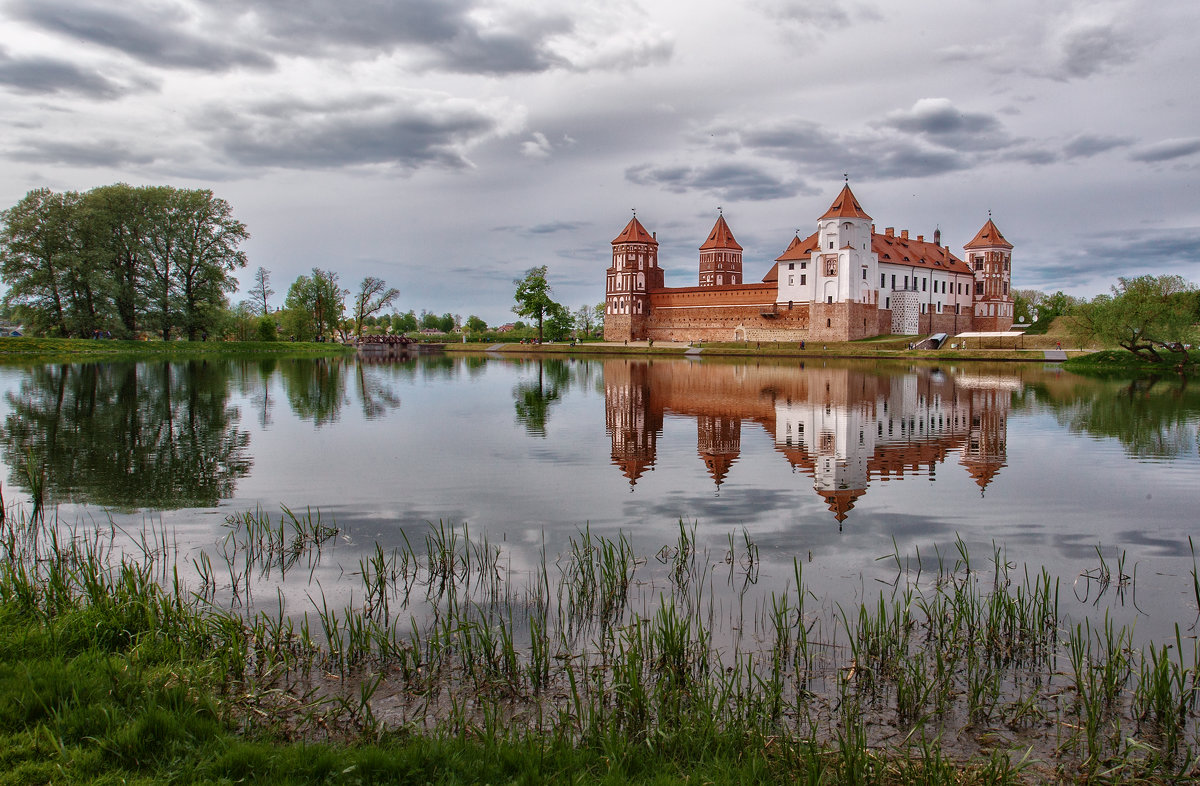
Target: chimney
{"points": [[654, 235], [890, 231], [920, 238], [904, 234]]}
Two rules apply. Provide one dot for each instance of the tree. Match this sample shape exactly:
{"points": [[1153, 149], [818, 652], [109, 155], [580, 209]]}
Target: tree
{"points": [[261, 292], [373, 296], [206, 255], [559, 321], [35, 248], [476, 325], [533, 296], [314, 304], [1144, 315], [584, 319], [405, 323]]}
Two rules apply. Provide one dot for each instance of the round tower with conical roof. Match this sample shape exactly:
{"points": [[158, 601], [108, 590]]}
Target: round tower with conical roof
{"points": [[633, 274], [989, 256]]}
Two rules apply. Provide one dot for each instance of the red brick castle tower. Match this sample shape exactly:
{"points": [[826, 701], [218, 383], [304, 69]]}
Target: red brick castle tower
{"points": [[634, 272], [989, 256], [720, 257]]}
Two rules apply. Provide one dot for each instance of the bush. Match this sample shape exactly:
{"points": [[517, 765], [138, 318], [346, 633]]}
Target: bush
{"points": [[266, 329]]}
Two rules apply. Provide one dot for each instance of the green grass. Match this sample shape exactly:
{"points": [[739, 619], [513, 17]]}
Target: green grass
{"points": [[1122, 363], [113, 668], [24, 348]]}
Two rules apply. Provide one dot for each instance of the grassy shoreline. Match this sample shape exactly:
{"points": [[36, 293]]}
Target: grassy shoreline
{"points": [[113, 668], [25, 348]]}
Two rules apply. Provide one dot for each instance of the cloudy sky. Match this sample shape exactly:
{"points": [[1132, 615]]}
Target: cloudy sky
{"points": [[448, 145]]}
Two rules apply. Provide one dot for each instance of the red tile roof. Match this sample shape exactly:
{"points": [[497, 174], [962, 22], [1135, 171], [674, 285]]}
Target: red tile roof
{"points": [[634, 232], [845, 206], [915, 253], [988, 237], [890, 248], [720, 237]]}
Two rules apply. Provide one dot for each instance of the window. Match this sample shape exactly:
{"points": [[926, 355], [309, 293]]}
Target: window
{"points": [[978, 287], [1006, 287], [791, 281], [864, 274], [979, 263], [791, 265], [830, 245], [882, 280], [893, 281], [887, 302], [906, 282], [803, 279], [803, 265], [924, 284]]}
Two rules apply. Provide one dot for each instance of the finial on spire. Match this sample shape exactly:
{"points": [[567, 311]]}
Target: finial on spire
{"points": [[989, 215], [846, 177], [797, 231], [719, 211], [634, 209]]}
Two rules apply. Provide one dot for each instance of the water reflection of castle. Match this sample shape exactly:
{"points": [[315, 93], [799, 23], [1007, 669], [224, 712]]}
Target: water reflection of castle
{"points": [[842, 427]]}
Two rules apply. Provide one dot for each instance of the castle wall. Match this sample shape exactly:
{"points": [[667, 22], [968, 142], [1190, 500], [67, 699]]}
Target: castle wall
{"points": [[743, 313]]}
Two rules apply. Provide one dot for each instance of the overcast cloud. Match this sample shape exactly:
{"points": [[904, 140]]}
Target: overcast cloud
{"points": [[447, 145]]}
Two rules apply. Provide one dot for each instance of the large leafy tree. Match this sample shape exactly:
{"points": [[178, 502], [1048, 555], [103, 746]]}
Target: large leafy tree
{"points": [[35, 249], [533, 297], [315, 304], [1147, 315], [206, 256]]}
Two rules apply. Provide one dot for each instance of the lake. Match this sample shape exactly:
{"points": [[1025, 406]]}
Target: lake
{"points": [[858, 470]]}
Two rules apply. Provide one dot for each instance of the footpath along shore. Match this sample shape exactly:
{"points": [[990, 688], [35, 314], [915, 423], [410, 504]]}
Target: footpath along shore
{"points": [[776, 350]]}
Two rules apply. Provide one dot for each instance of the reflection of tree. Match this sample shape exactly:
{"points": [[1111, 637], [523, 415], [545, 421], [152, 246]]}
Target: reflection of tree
{"points": [[1152, 419], [125, 436], [532, 399], [377, 398], [315, 387]]}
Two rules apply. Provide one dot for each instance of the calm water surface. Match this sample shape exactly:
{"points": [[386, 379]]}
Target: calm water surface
{"points": [[834, 464]]}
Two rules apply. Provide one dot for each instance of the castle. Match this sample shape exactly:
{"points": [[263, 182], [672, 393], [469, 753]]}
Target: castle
{"points": [[843, 282]]}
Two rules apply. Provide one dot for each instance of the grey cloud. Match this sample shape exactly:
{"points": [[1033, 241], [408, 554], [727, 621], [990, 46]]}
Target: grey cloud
{"points": [[556, 226], [44, 75], [1088, 49], [438, 34], [1110, 254], [1088, 145], [353, 131], [820, 13], [734, 181], [1167, 149], [820, 153], [87, 154], [150, 33], [938, 121]]}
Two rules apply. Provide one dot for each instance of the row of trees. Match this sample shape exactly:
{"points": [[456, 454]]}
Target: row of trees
{"points": [[120, 259], [1155, 318]]}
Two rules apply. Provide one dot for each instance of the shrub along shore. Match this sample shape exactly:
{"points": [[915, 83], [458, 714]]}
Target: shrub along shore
{"points": [[600, 665]]}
